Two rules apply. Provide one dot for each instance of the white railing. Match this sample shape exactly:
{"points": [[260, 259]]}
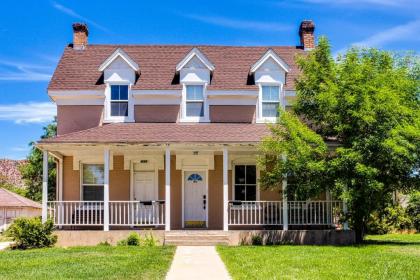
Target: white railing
{"points": [[135, 213], [271, 212], [255, 213], [76, 213], [314, 212], [121, 213]]}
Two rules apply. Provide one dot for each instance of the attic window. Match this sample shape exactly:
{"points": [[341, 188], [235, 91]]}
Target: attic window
{"points": [[119, 100], [195, 101]]}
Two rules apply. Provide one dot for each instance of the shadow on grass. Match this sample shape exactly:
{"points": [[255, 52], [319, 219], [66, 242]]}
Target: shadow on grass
{"points": [[390, 242]]}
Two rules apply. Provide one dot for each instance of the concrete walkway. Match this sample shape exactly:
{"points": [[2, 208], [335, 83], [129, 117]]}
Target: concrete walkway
{"points": [[197, 262]]}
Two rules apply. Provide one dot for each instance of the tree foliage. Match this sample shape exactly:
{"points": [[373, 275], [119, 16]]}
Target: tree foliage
{"points": [[32, 170], [368, 102]]}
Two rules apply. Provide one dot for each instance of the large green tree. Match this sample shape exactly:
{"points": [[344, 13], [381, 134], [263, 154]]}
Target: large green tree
{"points": [[367, 102], [32, 170]]}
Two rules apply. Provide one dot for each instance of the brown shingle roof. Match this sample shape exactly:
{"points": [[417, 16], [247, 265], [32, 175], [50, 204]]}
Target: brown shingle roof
{"points": [[78, 69], [11, 199], [166, 133]]}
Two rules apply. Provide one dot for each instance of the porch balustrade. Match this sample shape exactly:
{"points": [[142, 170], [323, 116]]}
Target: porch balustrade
{"points": [[262, 213], [121, 213]]}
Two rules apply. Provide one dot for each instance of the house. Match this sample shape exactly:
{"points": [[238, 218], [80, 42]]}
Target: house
{"points": [[166, 136], [13, 205]]}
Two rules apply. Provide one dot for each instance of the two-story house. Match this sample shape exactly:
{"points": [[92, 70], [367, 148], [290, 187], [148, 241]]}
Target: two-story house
{"points": [[167, 136]]}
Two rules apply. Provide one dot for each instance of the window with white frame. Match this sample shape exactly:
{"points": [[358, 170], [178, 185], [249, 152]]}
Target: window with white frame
{"points": [[270, 101], [93, 182], [245, 182], [119, 101], [194, 101]]}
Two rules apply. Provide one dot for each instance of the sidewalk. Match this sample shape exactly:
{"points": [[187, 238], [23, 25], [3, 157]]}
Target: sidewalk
{"points": [[197, 262], [4, 245]]}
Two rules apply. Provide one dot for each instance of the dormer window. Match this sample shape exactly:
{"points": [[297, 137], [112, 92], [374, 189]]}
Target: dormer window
{"points": [[270, 101], [119, 100], [194, 101]]}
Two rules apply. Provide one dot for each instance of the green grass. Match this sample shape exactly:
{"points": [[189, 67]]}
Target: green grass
{"points": [[385, 257], [100, 262]]}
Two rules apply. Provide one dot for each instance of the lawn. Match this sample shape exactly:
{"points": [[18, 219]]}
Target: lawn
{"points": [[384, 257], [100, 262]]}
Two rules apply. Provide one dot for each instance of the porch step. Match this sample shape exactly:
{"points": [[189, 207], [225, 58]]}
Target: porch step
{"points": [[196, 238]]}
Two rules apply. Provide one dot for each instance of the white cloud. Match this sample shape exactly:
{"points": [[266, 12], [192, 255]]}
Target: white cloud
{"points": [[241, 24], [33, 112], [400, 32], [72, 13], [22, 71]]}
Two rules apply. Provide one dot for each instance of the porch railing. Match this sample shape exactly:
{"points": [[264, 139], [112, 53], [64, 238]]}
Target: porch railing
{"points": [[121, 213], [271, 212]]}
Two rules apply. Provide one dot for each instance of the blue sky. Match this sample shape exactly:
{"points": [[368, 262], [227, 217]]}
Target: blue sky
{"points": [[34, 33]]}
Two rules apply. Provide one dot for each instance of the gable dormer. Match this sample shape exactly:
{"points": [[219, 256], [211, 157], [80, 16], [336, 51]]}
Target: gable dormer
{"points": [[119, 72], [270, 76], [195, 72]]}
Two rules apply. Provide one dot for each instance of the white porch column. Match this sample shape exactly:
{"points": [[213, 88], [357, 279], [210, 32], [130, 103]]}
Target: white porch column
{"points": [[44, 186], [106, 189], [225, 190], [167, 189], [285, 206]]}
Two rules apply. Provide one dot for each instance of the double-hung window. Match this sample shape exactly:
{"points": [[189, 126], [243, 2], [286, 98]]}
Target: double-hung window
{"points": [[119, 100], [245, 182], [270, 101], [194, 101], [93, 182]]}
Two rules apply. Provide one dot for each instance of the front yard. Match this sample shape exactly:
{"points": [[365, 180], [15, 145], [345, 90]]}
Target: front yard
{"points": [[100, 262], [391, 256]]}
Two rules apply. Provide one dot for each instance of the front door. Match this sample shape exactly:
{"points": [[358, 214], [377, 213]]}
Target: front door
{"points": [[144, 186], [195, 199]]}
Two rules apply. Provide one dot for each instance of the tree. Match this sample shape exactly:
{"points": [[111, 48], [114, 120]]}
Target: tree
{"points": [[367, 101], [32, 170]]}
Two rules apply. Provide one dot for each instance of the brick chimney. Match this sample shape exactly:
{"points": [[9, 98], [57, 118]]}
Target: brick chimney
{"points": [[80, 36], [306, 33]]}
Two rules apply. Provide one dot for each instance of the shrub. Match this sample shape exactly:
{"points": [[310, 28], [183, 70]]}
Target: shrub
{"points": [[257, 240], [132, 240], [413, 209], [104, 243], [392, 219], [150, 240], [30, 233]]}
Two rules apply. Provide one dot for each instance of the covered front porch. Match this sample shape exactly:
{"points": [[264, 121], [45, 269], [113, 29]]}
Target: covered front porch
{"points": [[173, 186]]}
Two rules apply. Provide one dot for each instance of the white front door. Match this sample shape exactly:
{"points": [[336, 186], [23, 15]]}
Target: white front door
{"points": [[144, 186], [195, 199]]}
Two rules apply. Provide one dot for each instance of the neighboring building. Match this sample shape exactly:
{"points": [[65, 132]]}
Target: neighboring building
{"points": [[13, 205], [166, 136]]}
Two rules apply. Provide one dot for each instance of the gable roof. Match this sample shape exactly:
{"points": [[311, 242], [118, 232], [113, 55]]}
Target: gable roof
{"points": [[144, 133], [195, 53], [11, 199], [119, 53], [271, 54], [78, 70]]}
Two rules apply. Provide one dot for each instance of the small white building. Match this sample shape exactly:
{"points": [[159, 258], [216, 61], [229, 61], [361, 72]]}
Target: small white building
{"points": [[13, 205]]}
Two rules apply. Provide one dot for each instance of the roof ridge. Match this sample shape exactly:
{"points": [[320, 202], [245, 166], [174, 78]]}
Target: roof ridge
{"points": [[194, 45]]}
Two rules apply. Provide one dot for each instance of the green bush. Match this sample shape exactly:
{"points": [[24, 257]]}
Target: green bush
{"points": [[134, 239], [150, 240], [30, 233], [257, 240], [413, 209], [392, 219]]}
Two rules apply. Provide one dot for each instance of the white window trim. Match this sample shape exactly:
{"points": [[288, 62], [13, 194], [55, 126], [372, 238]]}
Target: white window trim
{"points": [[184, 117], [260, 118], [257, 179], [81, 176], [107, 106]]}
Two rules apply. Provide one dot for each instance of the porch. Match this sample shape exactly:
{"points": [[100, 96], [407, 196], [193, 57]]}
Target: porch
{"points": [[173, 187]]}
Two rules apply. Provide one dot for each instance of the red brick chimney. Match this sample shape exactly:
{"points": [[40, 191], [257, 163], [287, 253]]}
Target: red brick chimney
{"points": [[80, 36], [306, 33]]}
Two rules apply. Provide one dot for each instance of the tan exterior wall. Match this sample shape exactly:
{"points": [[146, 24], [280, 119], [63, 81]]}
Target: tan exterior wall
{"points": [[119, 181], [71, 180], [71, 118], [232, 113], [156, 113]]}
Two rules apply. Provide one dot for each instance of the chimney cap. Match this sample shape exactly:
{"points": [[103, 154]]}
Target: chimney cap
{"points": [[306, 26], [80, 27]]}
